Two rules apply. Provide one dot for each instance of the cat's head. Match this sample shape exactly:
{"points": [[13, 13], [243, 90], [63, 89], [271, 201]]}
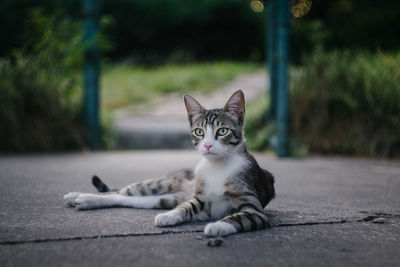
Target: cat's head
{"points": [[217, 133]]}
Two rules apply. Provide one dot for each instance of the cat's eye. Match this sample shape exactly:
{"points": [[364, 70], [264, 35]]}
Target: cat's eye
{"points": [[199, 132], [222, 131]]}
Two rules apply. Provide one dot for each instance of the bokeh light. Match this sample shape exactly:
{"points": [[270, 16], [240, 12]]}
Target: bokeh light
{"points": [[300, 7], [257, 6]]}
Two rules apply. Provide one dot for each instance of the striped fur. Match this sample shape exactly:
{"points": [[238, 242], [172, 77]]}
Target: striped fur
{"points": [[227, 185], [171, 183]]}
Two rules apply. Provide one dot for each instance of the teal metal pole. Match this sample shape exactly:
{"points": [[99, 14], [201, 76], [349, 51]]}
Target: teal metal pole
{"points": [[282, 113], [272, 58], [91, 73]]}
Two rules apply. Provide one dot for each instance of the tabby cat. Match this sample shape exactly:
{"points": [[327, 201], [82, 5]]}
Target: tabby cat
{"points": [[226, 186]]}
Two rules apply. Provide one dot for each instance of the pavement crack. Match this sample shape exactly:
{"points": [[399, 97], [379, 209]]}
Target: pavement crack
{"points": [[45, 240], [309, 223], [165, 232], [370, 217], [382, 214]]}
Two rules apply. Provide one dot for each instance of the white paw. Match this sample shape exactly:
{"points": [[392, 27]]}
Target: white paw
{"points": [[219, 229], [169, 218], [70, 198], [87, 202]]}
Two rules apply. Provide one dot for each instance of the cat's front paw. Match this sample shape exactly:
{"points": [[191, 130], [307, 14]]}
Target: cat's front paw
{"points": [[71, 197], [219, 229], [169, 218]]}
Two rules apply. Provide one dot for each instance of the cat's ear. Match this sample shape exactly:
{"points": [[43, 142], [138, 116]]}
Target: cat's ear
{"points": [[236, 105], [192, 106]]}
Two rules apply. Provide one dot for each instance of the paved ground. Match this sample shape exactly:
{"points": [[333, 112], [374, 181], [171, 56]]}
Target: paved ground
{"points": [[316, 215], [164, 124]]}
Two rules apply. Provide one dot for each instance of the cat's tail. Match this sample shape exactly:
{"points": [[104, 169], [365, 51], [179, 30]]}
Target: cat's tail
{"points": [[100, 186]]}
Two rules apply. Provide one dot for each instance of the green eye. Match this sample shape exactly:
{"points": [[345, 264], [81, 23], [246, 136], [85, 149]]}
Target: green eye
{"points": [[222, 131], [198, 132]]}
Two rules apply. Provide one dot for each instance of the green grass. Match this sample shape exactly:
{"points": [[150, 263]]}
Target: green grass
{"points": [[256, 129], [125, 84]]}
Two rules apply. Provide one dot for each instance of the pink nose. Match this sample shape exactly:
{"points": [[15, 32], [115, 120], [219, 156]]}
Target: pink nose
{"points": [[208, 146]]}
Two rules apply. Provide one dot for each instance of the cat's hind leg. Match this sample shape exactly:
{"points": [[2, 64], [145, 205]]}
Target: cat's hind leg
{"points": [[96, 201]]}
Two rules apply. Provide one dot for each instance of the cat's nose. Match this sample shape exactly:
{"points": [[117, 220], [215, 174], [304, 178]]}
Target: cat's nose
{"points": [[208, 146]]}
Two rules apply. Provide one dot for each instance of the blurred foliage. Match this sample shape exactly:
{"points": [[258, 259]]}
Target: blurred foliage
{"points": [[256, 129], [40, 85], [347, 102], [260, 131], [126, 84], [55, 36], [366, 24], [154, 30], [40, 108], [151, 31], [148, 30]]}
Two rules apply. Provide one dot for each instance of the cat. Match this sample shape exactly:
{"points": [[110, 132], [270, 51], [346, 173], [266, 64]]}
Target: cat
{"points": [[226, 186]]}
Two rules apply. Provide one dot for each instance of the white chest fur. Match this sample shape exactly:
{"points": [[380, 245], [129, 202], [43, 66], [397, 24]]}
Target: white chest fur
{"points": [[215, 173]]}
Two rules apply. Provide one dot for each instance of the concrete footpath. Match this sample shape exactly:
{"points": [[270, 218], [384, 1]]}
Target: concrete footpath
{"points": [[328, 212], [164, 124]]}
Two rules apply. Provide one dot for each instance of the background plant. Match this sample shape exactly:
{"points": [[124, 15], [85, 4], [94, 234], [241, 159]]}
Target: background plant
{"points": [[348, 102], [40, 108]]}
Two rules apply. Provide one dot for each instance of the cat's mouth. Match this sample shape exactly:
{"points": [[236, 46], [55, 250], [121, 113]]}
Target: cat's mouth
{"points": [[209, 153]]}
